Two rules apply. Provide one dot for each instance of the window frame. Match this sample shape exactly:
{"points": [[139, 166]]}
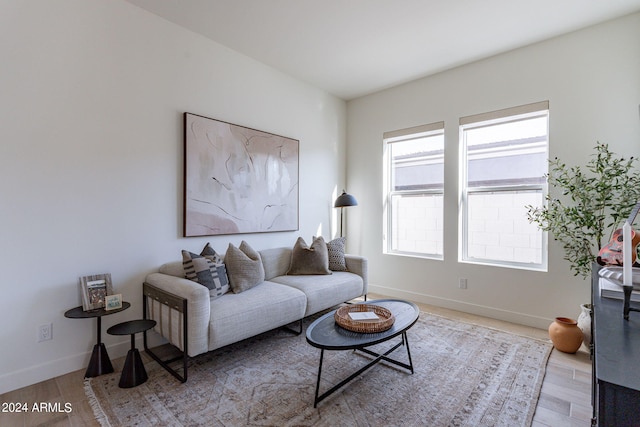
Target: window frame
{"points": [[508, 115], [390, 138]]}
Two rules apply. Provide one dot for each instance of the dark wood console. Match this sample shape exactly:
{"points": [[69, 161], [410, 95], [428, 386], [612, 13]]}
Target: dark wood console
{"points": [[615, 353]]}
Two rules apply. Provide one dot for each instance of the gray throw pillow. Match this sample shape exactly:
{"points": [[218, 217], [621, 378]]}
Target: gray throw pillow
{"points": [[336, 254], [312, 259], [208, 269], [244, 267]]}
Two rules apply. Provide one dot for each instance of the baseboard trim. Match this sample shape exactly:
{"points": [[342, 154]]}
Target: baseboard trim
{"points": [[54, 368], [477, 309]]}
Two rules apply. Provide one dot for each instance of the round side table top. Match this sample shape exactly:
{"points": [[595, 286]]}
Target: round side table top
{"points": [[131, 327], [79, 313]]}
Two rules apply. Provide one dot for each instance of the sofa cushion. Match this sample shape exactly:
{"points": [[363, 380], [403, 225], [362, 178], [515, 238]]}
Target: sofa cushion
{"points": [[325, 291], [276, 261], [266, 306], [244, 267], [335, 248], [208, 269], [312, 259]]}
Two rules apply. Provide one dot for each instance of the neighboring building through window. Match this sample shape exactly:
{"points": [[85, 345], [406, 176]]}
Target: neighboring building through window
{"points": [[414, 178], [503, 162]]}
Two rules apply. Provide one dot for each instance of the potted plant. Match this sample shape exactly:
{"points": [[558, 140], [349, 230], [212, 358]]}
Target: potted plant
{"points": [[586, 204]]}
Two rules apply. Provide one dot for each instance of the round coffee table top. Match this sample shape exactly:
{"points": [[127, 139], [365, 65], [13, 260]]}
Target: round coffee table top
{"points": [[326, 334], [79, 313], [131, 327]]}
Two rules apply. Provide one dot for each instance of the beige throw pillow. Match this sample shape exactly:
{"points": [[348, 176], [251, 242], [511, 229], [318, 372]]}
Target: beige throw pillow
{"points": [[244, 267], [312, 259]]}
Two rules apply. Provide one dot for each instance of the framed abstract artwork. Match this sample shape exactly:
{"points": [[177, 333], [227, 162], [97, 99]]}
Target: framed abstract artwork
{"points": [[237, 179]]}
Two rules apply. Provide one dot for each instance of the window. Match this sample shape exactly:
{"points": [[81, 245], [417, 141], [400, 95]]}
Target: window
{"points": [[503, 162], [414, 176]]}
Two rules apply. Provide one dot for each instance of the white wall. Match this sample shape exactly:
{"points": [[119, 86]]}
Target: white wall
{"points": [[592, 81], [91, 101]]}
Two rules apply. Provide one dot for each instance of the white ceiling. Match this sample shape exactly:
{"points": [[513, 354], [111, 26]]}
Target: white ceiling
{"points": [[352, 48]]}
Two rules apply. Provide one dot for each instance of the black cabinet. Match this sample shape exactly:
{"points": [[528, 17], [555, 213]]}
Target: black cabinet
{"points": [[616, 361]]}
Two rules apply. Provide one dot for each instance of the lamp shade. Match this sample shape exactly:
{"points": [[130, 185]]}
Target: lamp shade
{"points": [[345, 200]]}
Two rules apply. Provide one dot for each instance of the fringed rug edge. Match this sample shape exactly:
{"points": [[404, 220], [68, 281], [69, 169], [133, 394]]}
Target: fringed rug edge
{"points": [[98, 412], [538, 387]]}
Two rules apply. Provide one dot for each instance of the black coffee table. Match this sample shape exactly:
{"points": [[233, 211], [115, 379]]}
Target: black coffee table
{"points": [[325, 334]]}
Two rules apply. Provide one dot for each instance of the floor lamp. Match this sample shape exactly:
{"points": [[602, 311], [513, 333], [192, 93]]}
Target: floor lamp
{"points": [[344, 200]]}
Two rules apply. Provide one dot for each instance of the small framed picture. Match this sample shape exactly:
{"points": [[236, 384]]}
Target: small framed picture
{"points": [[94, 290], [113, 302]]}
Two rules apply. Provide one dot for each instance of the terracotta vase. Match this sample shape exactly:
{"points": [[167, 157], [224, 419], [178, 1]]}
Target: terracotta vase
{"points": [[565, 334]]}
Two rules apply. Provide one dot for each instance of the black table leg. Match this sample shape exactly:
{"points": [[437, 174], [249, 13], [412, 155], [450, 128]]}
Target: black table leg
{"points": [[406, 341], [133, 372], [100, 362], [378, 357], [316, 400]]}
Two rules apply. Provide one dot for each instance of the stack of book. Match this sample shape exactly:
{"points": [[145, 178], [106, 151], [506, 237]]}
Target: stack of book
{"points": [[364, 316], [611, 280]]}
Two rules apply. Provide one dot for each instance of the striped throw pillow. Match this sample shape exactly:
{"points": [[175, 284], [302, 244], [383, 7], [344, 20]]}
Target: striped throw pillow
{"points": [[208, 269]]}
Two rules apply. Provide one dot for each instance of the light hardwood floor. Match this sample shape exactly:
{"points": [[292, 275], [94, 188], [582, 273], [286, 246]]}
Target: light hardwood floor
{"points": [[565, 398]]}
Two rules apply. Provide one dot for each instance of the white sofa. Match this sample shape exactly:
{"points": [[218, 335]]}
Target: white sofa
{"points": [[193, 321]]}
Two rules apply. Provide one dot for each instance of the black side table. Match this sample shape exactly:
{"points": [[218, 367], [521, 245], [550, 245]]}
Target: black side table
{"points": [[133, 372], [99, 363]]}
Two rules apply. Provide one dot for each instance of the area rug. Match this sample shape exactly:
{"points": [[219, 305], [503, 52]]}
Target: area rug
{"points": [[465, 375]]}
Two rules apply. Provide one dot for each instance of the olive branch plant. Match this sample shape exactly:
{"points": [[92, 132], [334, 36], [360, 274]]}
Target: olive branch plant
{"points": [[586, 204]]}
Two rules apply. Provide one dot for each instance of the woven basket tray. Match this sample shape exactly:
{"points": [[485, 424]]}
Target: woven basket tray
{"points": [[385, 317]]}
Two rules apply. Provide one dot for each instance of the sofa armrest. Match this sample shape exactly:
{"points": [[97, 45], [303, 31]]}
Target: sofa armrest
{"points": [[170, 321], [358, 265]]}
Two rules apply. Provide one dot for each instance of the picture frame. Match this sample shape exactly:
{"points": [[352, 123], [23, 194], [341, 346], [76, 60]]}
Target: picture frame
{"points": [[94, 290], [237, 179], [113, 302]]}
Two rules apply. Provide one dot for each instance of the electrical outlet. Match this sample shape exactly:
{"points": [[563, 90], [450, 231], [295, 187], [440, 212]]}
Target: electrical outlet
{"points": [[45, 332], [462, 283]]}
